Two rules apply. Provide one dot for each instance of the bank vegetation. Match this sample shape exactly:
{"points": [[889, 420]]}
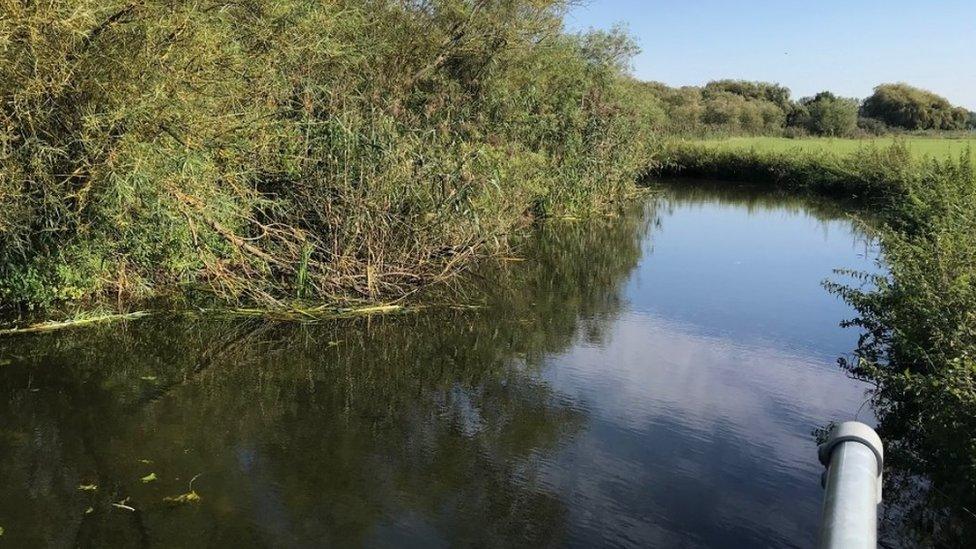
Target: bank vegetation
{"points": [[743, 108], [267, 151]]}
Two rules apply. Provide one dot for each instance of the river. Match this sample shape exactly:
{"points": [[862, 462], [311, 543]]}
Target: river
{"points": [[650, 379]]}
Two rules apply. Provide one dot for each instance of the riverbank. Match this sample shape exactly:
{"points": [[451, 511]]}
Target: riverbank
{"points": [[919, 344], [877, 176], [940, 148]]}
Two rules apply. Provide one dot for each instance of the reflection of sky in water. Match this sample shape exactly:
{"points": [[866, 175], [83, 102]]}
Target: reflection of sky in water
{"points": [[751, 275], [703, 393]]}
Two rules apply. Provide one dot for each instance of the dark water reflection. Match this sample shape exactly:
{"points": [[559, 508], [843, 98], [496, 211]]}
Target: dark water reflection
{"points": [[648, 380]]}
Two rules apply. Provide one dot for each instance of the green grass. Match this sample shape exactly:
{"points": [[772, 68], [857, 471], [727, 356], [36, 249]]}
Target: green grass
{"points": [[932, 147]]}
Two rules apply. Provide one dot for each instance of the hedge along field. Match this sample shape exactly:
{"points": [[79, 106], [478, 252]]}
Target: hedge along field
{"points": [[267, 151], [932, 147]]}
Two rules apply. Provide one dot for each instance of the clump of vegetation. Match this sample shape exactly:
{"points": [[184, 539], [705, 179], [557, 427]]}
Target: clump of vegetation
{"points": [[921, 147], [723, 106], [756, 91], [264, 151], [872, 174], [919, 347], [903, 106], [873, 126], [826, 114]]}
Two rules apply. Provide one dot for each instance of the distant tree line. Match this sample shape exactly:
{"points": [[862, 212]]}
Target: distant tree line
{"points": [[736, 106]]}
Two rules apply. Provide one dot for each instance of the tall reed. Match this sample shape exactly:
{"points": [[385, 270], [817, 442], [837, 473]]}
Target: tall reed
{"points": [[267, 150]]}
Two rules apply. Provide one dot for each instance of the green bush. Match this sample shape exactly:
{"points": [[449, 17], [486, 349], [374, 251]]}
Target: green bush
{"points": [[827, 114], [912, 108], [729, 107], [754, 91], [920, 346], [269, 149], [873, 126]]}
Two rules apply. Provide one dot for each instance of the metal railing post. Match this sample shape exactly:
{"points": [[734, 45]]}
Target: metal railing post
{"points": [[854, 457]]}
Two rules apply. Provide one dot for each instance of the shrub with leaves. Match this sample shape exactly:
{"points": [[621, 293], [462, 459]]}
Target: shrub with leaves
{"points": [[919, 348], [268, 150]]}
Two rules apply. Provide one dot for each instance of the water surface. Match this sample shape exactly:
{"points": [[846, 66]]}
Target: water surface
{"points": [[651, 379]]}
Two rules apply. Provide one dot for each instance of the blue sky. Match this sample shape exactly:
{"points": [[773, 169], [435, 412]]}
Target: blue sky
{"points": [[846, 47]]}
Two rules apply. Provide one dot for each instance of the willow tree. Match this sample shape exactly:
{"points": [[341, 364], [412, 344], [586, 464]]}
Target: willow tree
{"points": [[904, 106], [268, 150]]}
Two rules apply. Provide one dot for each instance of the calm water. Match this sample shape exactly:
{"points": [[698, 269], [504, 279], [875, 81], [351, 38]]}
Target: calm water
{"points": [[649, 380]]}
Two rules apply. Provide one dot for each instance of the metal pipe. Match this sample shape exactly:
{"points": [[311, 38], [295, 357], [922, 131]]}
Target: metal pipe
{"points": [[854, 458]]}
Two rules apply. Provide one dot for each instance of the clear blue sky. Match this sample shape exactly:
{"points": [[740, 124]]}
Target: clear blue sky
{"points": [[847, 47]]}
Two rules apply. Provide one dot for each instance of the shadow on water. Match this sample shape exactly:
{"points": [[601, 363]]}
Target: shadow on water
{"points": [[378, 431]]}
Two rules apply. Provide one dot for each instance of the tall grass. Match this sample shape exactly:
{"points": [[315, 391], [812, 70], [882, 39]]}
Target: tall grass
{"points": [[267, 150], [938, 147], [871, 174]]}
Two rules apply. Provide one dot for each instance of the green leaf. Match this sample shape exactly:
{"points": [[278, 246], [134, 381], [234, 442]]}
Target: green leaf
{"points": [[148, 478], [88, 487], [183, 499]]}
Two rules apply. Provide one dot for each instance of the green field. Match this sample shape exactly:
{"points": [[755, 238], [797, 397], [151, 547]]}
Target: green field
{"points": [[933, 147]]}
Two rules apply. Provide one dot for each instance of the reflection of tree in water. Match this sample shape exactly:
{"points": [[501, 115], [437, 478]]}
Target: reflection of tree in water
{"points": [[434, 426], [757, 198], [573, 274]]}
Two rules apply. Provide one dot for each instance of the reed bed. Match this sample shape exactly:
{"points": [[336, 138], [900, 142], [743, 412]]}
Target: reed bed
{"points": [[271, 150]]}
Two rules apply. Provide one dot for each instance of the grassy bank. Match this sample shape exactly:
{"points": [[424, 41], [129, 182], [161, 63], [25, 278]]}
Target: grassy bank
{"points": [[215, 149], [919, 322], [869, 174], [920, 147]]}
